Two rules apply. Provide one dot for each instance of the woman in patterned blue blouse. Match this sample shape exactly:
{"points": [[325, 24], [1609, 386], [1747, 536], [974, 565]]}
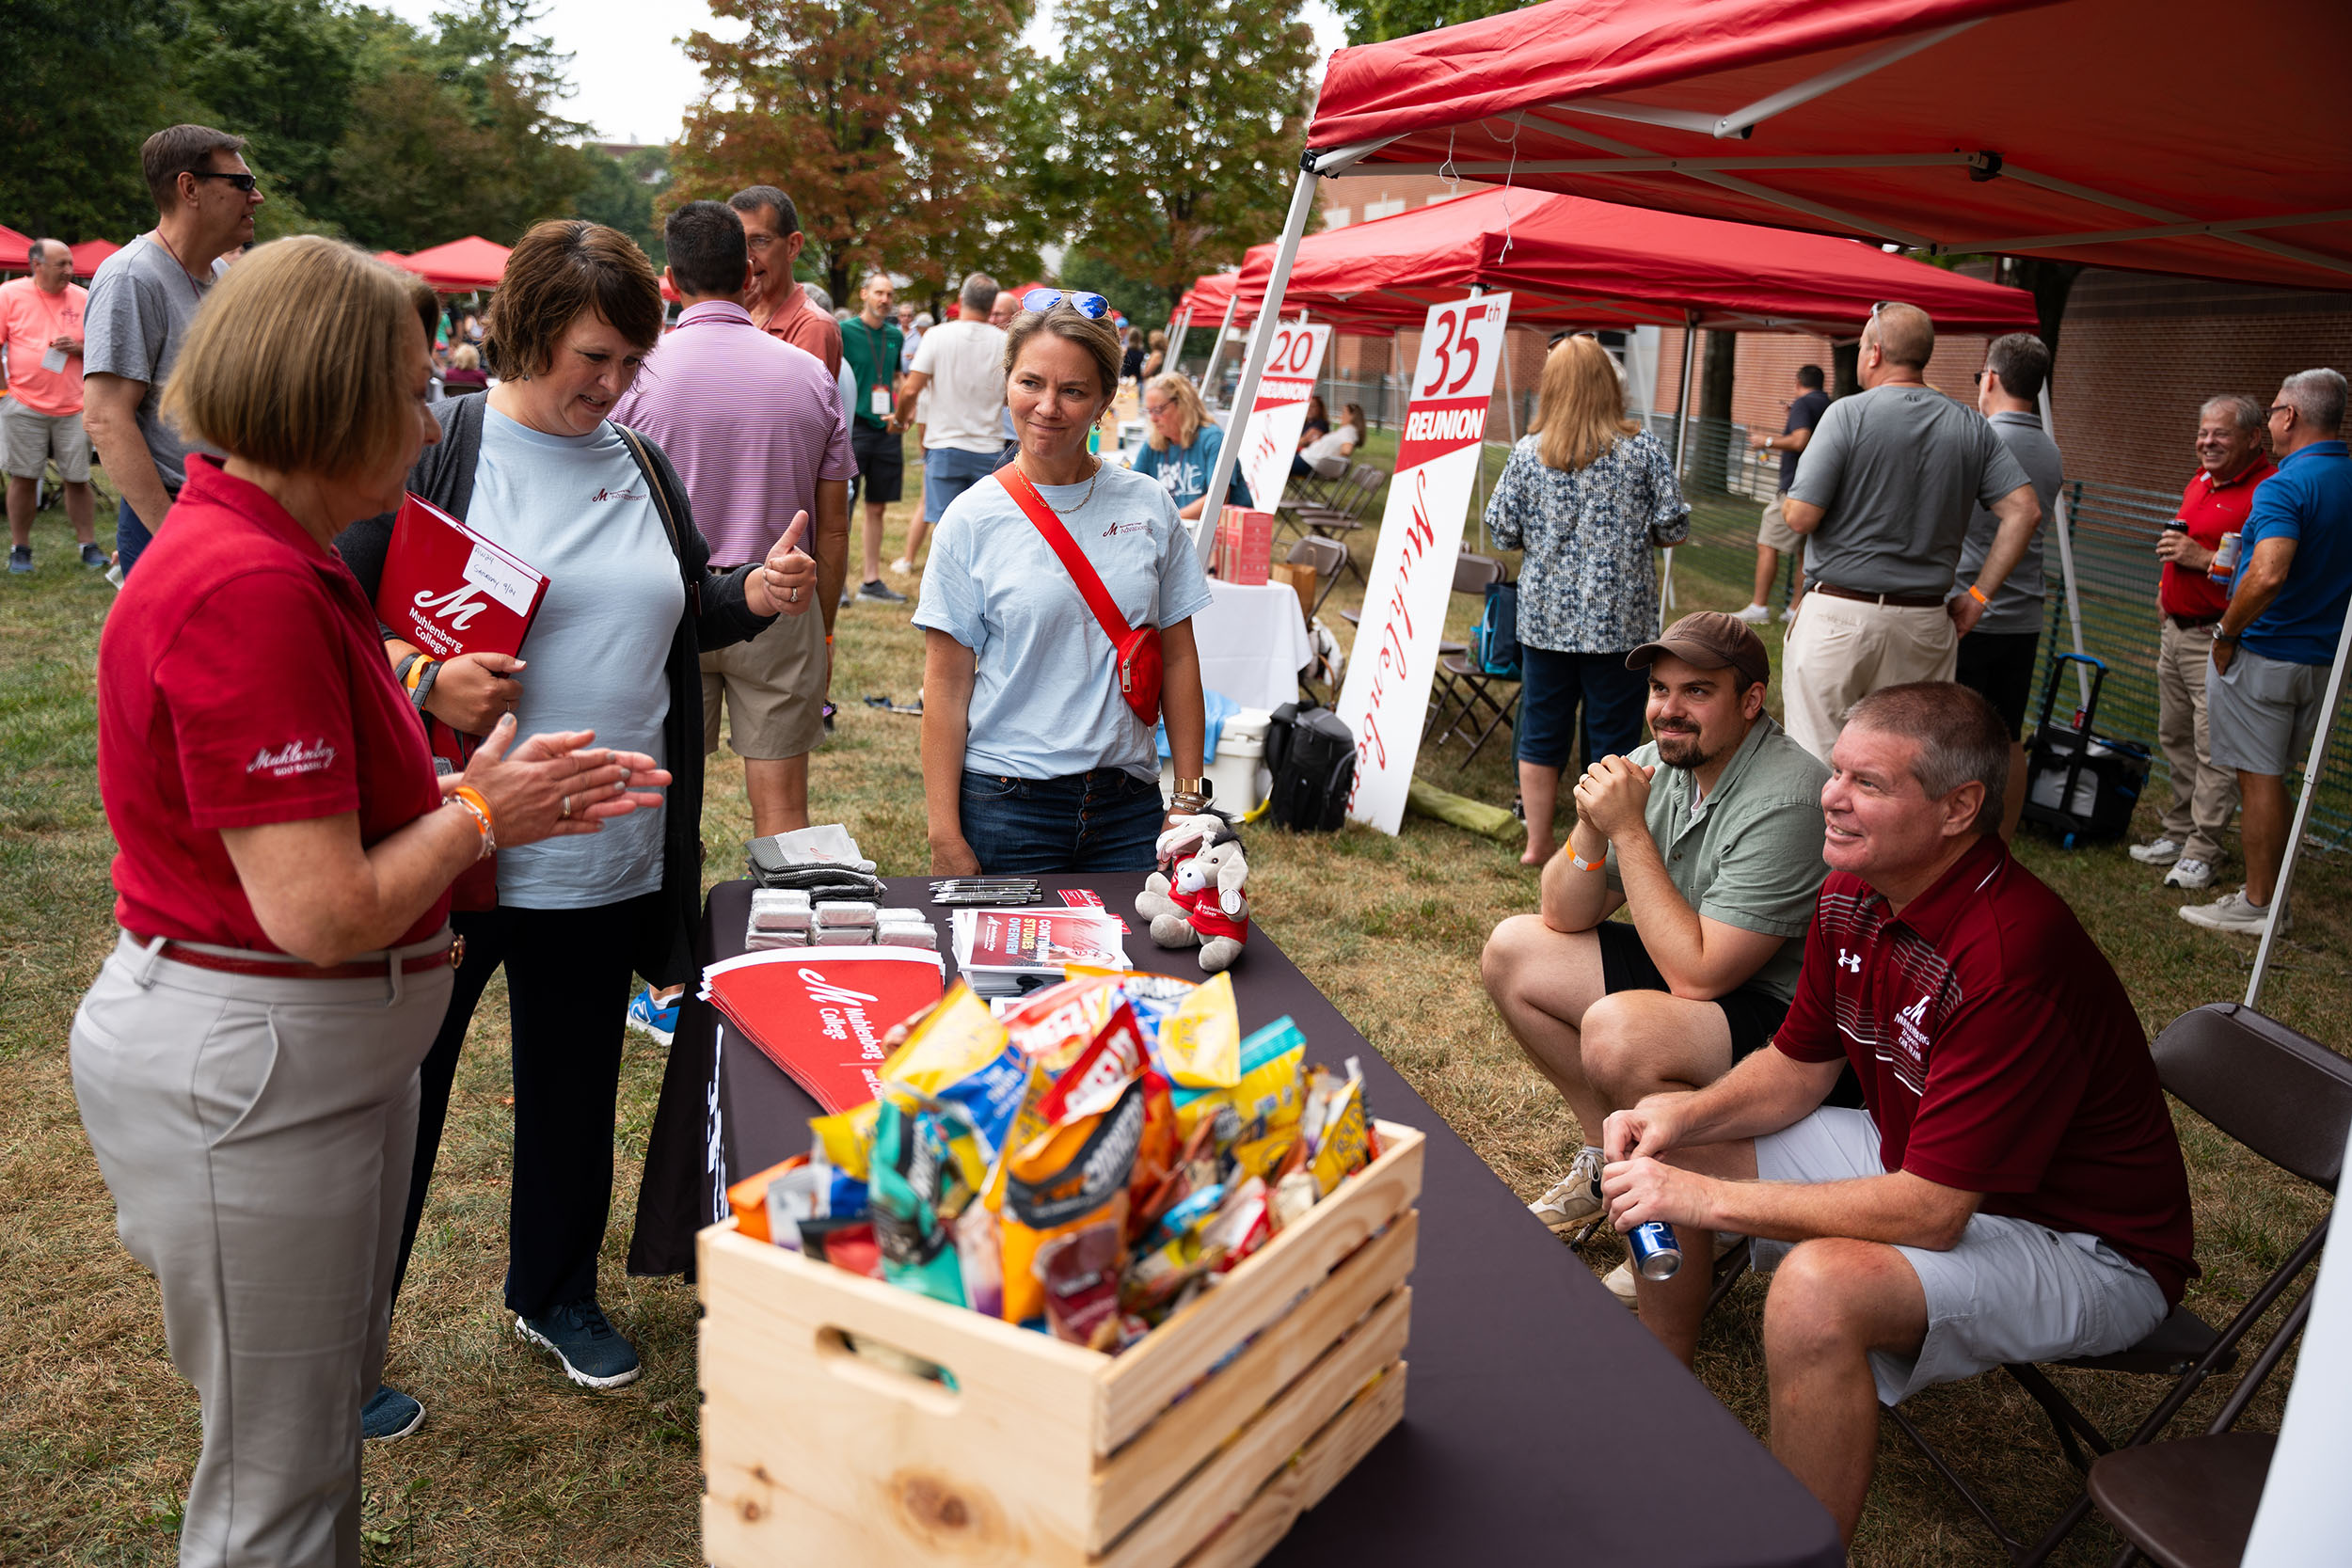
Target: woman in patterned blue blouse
{"points": [[1586, 494]]}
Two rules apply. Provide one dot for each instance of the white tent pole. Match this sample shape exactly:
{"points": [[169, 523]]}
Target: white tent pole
{"points": [[1216, 347], [2063, 525], [1682, 435], [2313, 765], [1178, 324], [1253, 365]]}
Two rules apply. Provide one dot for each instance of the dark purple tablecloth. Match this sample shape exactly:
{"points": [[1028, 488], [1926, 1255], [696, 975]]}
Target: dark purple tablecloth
{"points": [[1542, 1423]]}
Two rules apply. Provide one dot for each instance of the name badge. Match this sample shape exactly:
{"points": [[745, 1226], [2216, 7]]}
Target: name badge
{"points": [[881, 403]]}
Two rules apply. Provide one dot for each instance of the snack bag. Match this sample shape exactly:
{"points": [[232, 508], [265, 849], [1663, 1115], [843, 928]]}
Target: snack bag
{"points": [[1341, 1141], [847, 1138], [980, 1256], [1155, 1153], [1075, 1176], [961, 1056], [748, 1199], [1243, 1224], [1267, 1092], [916, 1250], [1200, 1044], [1101, 1072], [800, 1194], [1079, 1271], [845, 1240], [1053, 1025], [1028, 1125]]}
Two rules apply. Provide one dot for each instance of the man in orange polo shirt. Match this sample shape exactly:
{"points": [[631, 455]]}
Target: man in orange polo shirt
{"points": [[41, 417], [778, 305], [2230, 462]]}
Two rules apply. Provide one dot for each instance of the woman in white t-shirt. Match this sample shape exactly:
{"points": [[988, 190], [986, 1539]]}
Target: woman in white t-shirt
{"points": [[1328, 455], [1033, 762]]}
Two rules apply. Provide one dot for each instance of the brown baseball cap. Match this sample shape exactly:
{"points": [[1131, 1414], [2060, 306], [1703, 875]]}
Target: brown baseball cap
{"points": [[1712, 641]]}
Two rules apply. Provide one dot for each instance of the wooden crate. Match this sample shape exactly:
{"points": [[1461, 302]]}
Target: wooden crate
{"points": [[1045, 1453]]}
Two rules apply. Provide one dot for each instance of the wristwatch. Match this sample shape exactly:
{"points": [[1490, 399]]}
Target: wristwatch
{"points": [[1192, 795]]}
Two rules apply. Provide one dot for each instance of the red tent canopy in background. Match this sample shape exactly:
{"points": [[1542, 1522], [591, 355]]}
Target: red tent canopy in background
{"points": [[15, 250], [1568, 262], [88, 254], [2051, 127], [472, 262]]}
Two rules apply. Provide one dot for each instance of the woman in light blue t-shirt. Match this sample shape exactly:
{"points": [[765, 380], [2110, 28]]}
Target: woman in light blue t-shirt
{"points": [[1032, 760], [1180, 450]]}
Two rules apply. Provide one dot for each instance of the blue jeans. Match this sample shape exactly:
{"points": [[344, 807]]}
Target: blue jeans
{"points": [[948, 472], [1105, 819], [1555, 685], [130, 537]]}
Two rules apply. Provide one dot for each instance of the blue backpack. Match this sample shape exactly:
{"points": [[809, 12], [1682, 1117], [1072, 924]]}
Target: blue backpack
{"points": [[1495, 641]]}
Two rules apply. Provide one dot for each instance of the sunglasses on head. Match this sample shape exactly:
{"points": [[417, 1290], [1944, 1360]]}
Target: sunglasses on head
{"points": [[1085, 304], [242, 182]]}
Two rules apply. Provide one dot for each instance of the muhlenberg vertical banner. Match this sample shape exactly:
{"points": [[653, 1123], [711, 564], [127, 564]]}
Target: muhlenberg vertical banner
{"points": [[1280, 411], [1395, 657]]}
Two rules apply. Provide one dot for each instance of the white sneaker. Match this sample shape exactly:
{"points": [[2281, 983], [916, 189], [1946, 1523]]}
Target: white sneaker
{"points": [[903, 567], [1755, 614], [2229, 912], [1790, 613], [2188, 874], [2158, 851], [1620, 1283], [1574, 1201]]}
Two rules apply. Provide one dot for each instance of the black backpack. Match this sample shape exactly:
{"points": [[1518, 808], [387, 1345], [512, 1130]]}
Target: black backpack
{"points": [[1311, 753]]}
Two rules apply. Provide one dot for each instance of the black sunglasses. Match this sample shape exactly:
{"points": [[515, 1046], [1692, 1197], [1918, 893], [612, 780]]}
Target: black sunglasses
{"points": [[244, 183]]}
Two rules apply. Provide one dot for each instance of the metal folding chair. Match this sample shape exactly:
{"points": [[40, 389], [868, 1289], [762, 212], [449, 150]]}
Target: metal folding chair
{"points": [[1329, 557], [2286, 1098]]}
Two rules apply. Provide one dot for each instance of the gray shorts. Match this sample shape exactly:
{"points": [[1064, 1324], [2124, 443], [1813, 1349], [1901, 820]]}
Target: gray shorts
{"points": [[2012, 1290], [30, 439], [2261, 712]]}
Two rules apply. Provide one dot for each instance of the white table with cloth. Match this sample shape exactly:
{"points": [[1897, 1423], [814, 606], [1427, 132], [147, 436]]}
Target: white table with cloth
{"points": [[1253, 643]]}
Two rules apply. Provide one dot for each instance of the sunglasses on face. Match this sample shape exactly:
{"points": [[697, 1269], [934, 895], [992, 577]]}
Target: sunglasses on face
{"points": [[1085, 304], [244, 183]]}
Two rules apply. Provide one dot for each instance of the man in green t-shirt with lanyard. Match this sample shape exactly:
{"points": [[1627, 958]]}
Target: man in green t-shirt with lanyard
{"points": [[869, 346]]}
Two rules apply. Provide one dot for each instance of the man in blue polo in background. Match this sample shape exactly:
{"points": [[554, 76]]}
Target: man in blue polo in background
{"points": [[2276, 642]]}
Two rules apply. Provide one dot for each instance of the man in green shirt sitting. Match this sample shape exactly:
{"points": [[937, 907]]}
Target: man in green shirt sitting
{"points": [[1718, 861]]}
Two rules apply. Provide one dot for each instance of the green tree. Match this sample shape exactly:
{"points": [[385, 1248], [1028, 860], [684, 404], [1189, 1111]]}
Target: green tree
{"points": [[1138, 299], [1370, 21], [622, 192], [281, 75], [1179, 130], [82, 83], [889, 123]]}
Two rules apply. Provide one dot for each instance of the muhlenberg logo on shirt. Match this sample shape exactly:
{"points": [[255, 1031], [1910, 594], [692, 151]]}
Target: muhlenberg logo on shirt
{"points": [[292, 759], [623, 494]]}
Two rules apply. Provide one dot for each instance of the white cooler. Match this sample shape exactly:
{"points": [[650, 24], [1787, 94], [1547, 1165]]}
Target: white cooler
{"points": [[1240, 772]]}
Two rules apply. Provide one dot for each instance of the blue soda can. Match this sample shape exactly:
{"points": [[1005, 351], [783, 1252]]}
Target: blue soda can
{"points": [[1656, 1252]]}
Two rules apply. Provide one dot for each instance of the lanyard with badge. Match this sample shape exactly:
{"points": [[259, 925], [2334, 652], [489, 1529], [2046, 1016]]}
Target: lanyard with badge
{"points": [[878, 401]]}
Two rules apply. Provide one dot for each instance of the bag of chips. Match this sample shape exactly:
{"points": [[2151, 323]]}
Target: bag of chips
{"points": [[961, 1056], [1200, 1044], [1079, 1271], [910, 1163], [1075, 1176], [1053, 1026], [1267, 1091]]}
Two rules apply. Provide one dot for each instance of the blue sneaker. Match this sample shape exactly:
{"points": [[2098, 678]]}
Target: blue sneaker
{"points": [[389, 1413], [656, 1018], [591, 1349]]}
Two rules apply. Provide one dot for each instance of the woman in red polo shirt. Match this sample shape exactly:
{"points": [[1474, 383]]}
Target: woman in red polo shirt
{"points": [[246, 1063]]}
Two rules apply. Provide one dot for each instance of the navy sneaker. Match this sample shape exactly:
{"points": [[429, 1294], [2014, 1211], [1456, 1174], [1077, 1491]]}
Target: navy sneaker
{"points": [[880, 593], [389, 1413], [591, 1349], [20, 559]]}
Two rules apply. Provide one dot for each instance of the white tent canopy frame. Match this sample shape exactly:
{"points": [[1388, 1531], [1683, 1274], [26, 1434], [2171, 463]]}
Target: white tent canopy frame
{"points": [[1729, 172]]}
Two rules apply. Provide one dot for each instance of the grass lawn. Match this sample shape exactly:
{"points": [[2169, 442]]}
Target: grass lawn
{"points": [[98, 1435]]}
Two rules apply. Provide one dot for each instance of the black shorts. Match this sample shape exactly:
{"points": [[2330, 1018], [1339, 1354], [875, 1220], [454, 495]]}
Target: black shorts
{"points": [[881, 462], [1625, 965], [1999, 665], [1753, 1016]]}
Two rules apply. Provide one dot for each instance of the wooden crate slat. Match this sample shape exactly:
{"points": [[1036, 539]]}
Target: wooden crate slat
{"points": [[1323, 1464], [1170, 1448]]}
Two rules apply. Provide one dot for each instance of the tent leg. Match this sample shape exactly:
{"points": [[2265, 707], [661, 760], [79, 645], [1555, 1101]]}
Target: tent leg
{"points": [[2312, 767], [1682, 436], [2063, 525], [1253, 365], [1216, 349], [1178, 324]]}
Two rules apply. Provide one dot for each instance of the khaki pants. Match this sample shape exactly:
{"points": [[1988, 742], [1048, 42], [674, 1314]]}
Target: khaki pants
{"points": [[1841, 650], [2203, 797]]}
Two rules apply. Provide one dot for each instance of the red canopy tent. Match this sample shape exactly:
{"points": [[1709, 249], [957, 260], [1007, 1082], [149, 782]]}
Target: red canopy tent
{"points": [[459, 266], [2056, 128], [15, 250], [88, 254]]}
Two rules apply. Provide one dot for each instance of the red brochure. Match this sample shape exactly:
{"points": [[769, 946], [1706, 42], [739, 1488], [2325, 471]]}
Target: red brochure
{"points": [[449, 590], [821, 1013]]}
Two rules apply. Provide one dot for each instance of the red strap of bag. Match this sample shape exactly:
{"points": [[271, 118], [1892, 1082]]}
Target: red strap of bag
{"points": [[1138, 648]]}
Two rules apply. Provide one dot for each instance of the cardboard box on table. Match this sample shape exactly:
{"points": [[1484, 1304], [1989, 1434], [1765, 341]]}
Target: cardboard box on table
{"points": [[1300, 575], [1045, 1453], [1244, 545]]}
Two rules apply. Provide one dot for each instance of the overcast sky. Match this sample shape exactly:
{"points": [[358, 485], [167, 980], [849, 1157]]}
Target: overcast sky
{"points": [[635, 82]]}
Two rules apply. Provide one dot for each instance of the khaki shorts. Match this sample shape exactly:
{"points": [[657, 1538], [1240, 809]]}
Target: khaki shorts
{"points": [[773, 687], [1774, 532], [33, 439]]}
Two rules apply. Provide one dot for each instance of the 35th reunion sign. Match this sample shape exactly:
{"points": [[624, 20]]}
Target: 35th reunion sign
{"points": [[1420, 533]]}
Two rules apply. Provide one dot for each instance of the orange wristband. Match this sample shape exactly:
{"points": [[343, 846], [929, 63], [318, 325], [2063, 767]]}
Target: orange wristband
{"points": [[470, 797], [1977, 593]]}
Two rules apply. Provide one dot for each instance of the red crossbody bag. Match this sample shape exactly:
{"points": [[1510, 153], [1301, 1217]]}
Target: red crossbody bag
{"points": [[1138, 648]]}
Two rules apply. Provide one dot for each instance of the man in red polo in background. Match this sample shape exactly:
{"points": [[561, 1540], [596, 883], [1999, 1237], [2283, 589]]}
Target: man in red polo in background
{"points": [[778, 305], [2230, 462], [2013, 1191]]}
